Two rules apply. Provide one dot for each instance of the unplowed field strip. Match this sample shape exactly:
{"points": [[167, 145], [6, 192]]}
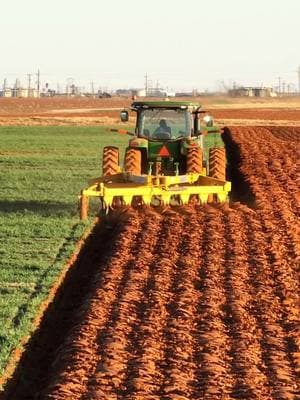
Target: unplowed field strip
{"points": [[191, 303]]}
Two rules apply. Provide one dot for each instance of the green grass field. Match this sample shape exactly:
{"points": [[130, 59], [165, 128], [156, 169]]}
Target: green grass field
{"points": [[42, 170]]}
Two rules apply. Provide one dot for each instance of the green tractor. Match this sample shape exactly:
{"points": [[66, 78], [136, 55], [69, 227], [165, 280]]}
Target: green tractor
{"points": [[166, 161], [169, 140]]}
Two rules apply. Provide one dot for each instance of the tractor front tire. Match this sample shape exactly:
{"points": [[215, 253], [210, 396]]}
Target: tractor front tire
{"points": [[217, 163], [133, 161], [194, 160], [110, 161]]}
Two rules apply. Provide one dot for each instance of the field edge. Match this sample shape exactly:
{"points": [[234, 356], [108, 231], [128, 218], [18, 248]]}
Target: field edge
{"points": [[67, 263]]}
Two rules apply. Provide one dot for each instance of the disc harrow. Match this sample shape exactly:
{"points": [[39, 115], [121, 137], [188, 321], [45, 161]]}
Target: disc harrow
{"points": [[126, 190]]}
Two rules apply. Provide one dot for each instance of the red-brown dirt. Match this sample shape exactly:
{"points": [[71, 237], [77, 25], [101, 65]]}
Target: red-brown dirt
{"points": [[289, 134], [191, 303], [32, 106], [258, 114], [89, 111]]}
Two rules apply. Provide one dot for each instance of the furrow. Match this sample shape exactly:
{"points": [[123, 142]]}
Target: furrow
{"points": [[247, 359], [76, 360], [270, 315], [271, 200], [146, 365], [114, 340], [214, 377], [181, 329]]}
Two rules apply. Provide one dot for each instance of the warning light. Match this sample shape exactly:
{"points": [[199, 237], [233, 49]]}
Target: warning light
{"points": [[164, 152]]}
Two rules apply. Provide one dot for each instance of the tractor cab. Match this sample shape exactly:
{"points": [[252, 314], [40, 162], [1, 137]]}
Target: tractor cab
{"points": [[165, 132], [164, 124], [169, 120], [166, 120]]}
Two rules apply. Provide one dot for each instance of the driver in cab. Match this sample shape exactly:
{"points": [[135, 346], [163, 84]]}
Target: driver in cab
{"points": [[163, 131]]}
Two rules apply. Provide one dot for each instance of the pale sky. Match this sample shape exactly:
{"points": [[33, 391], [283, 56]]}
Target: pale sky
{"points": [[182, 44]]}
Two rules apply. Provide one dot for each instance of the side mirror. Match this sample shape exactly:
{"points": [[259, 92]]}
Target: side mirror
{"points": [[208, 119], [124, 116]]}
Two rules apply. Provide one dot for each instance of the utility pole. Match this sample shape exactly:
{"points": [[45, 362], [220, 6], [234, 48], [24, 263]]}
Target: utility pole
{"points": [[279, 84], [38, 81], [146, 83], [70, 86], [4, 84], [29, 81], [92, 87]]}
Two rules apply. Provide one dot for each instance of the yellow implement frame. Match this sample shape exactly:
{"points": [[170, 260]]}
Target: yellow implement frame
{"points": [[125, 188]]}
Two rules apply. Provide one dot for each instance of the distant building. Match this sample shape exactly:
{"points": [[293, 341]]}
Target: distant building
{"points": [[25, 92], [193, 93], [6, 93], [138, 92], [33, 93], [123, 92], [252, 91], [19, 92], [131, 92], [159, 92], [103, 95], [48, 93]]}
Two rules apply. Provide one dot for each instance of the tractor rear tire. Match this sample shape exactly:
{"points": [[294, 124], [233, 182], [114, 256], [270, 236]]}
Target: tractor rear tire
{"points": [[217, 163], [110, 161], [133, 161], [194, 160]]}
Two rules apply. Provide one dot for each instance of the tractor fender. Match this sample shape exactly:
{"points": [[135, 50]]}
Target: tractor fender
{"points": [[138, 143]]}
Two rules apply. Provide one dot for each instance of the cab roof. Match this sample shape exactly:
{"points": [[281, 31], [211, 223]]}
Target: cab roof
{"points": [[165, 104]]}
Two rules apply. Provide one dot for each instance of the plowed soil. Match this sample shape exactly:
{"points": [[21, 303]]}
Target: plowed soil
{"points": [[189, 303]]}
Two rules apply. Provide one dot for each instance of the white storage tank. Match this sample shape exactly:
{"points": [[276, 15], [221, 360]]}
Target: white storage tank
{"points": [[141, 93], [7, 93]]}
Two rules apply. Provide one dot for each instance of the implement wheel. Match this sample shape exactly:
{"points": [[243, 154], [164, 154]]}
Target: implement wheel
{"points": [[217, 163], [133, 161], [110, 161], [83, 206], [194, 160]]}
